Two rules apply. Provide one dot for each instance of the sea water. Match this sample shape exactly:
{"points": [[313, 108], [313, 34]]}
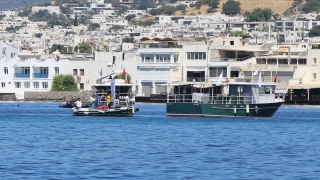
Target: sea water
{"points": [[42, 141]]}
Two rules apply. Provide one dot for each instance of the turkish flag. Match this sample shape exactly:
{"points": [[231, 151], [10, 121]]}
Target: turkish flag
{"points": [[275, 78], [57, 56], [124, 72]]}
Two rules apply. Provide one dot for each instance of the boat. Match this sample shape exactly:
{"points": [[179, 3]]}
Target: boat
{"points": [[118, 91], [70, 104], [117, 111], [240, 98]]}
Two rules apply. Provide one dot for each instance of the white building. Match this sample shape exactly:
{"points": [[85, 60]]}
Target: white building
{"points": [[26, 73]]}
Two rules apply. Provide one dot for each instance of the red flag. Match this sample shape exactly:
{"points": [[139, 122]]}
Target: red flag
{"points": [[124, 72], [275, 78], [57, 56]]}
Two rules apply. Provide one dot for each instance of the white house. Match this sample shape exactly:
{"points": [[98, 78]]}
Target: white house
{"points": [[27, 73]]}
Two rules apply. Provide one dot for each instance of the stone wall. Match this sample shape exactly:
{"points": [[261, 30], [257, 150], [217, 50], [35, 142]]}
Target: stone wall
{"points": [[7, 97], [57, 96]]}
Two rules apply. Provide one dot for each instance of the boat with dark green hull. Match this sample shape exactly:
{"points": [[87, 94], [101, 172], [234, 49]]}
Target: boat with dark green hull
{"points": [[234, 99]]}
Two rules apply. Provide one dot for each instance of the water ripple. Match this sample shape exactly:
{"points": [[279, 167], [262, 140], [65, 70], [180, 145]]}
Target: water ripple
{"points": [[41, 141]]}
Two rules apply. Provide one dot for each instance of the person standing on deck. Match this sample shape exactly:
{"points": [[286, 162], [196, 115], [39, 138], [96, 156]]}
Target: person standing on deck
{"points": [[127, 99], [109, 100]]}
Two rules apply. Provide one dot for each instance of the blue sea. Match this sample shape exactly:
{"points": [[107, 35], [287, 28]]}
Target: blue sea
{"points": [[41, 141]]}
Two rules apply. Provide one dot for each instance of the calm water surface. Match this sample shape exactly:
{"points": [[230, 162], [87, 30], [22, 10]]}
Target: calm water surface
{"points": [[41, 141]]}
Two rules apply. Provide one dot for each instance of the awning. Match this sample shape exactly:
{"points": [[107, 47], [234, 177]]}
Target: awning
{"points": [[202, 85]]}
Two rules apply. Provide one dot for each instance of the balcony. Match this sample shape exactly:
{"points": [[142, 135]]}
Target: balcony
{"points": [[21, 75], [39, 75], [196, 79]]}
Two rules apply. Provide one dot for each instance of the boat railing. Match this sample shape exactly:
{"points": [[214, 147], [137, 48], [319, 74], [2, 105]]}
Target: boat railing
{"points": [[217, 99]]}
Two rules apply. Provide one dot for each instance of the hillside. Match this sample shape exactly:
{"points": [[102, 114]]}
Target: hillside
{"points": [[18, 4], [277, 6]]}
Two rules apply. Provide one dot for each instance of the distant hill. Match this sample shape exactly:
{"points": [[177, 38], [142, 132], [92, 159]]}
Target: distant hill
{"points": [[277, 6], [18, 4]]}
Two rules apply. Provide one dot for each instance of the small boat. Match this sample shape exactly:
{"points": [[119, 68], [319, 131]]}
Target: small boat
{"points": [[241, 98], [118, 107], [117, 111], [70, 104]]}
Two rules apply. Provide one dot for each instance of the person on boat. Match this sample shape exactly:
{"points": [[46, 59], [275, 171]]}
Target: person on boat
{"points": [[109, 100], [127, 99], [103, 99], [78, 103]]}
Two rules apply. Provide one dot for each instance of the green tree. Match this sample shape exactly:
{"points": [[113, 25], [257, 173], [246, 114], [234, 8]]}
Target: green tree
{"points": [[144, 4], [231, 7], [94, 26], [58, 47], [75, 23], [130, 17], [122, 9], [145, 23], [84, 48], [128, 40], [64, 83], [24, 13], [210, 3], [315, 31], [258, 14], [311, 5], [181, 7]]}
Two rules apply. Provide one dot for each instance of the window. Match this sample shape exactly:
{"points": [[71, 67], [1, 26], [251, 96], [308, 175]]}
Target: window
{"points": [[43, 70], [26, 84], [13, 55], [75, 72], [17, 84], [216, 71], [314, 75], [56, 70], [197, 55], [45, 85], [81, 72], [5, 70], [314, 60], [114, 60], [3, 84], [176, 57], [81, 86], [25, 70], [36, 85]]}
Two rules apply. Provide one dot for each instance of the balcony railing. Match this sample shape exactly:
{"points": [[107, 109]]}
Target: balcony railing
{"points": [[40, 75], [21, 75], [196, 79]]}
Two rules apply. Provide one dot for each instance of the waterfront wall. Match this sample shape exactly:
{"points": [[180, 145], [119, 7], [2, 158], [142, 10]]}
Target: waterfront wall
{"points": [[7, 97], [57, 96]]}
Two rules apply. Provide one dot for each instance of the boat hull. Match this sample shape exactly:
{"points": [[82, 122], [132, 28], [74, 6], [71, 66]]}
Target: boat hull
{"points": [[222, 110], [118, 112]]}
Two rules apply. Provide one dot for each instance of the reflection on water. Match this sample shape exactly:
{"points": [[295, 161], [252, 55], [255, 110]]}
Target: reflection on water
{"points": [[41, 141]]}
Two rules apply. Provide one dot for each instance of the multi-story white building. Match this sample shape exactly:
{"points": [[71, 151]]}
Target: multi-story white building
{"points": [[8, 14], [26, 73]]}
